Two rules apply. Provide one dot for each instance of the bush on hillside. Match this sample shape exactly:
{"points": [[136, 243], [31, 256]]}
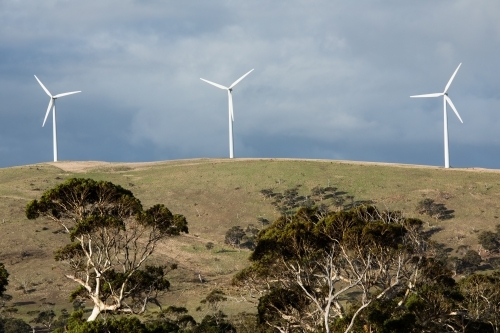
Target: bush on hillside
{"points": [[489, 240]]}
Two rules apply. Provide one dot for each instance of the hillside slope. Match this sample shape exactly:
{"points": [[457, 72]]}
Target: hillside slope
{"points": [[215, 195]]}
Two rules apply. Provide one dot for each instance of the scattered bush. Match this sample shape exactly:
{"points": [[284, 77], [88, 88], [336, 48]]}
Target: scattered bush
{"points": [[434, 210], [14, 325], [489, 240], [234, 236], [470, 262]]}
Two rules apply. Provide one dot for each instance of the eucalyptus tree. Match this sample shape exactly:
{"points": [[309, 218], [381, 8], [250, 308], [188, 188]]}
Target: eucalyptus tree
{"points": [[112, 237], [313, 272]]}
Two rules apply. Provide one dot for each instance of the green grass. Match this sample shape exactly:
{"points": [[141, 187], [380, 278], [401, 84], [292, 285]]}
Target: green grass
{"points": [[215, 195]]}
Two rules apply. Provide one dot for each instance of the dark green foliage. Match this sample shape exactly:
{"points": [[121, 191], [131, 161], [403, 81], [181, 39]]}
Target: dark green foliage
{"points": [[494, 262], [435, 297], [76, 324], [141, 282], [161, 218], [429, 306], [13, 325], [120, 325], [292, 254], [177, 316], [76, 297], [436, 210], [278, 301], [246, 323], [251, 231], [162, 327], [214, 298], [234, 236], [112, 236], [385, 316], [86, 192], [323, 198], [62, 319], [69, 251], [263, 221], [489, 240], [46, 318], [241, 238], [175, 311], [471, 260], [4, 279], [482, 301], [215, 324], [303, 256]]}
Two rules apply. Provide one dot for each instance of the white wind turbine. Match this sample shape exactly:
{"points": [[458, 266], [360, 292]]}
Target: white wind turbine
{"points": [[231, 114], [446, 99], [52, 103]]}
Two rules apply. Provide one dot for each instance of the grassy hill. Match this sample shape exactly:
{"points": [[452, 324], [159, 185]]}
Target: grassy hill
{"points": [[215, 195]]}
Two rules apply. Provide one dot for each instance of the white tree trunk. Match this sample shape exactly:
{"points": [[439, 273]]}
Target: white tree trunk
{"points": [[95, 312]]}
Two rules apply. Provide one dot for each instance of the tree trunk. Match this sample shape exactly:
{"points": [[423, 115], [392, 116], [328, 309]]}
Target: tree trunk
{"points": [[95, 312]]}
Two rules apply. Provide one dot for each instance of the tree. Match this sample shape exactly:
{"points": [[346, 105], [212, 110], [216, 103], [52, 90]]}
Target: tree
{"points": [[46, 318], [324, 199], [470, 262], [245, 322], [215, 322], [482, 299], [214, 299], [112, 237], [489, 240], [234, 236], [14, 325], [4, 279], [263, 221], [438, 211], [434, 300], [363, 254], [178, 316]]}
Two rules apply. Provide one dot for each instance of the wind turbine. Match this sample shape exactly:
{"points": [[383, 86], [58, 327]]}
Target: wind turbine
{"points": [[446, 99], [52, 103], [231, 114]]}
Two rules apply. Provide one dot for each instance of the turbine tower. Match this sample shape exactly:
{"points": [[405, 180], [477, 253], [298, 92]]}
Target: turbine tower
{"points": [[52, 104], [231, 114], [446, 99]]}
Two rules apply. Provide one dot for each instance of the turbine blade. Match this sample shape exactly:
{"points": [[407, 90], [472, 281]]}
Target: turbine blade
{"points": [[451, 79], [48, 111], [453, 107], [230, 98], [428, 95], [215, 84], [66, 94], [241, 78], [46, 90]]}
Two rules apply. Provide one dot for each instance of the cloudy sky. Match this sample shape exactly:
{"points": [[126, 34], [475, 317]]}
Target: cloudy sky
{"points": [[332, 79]]}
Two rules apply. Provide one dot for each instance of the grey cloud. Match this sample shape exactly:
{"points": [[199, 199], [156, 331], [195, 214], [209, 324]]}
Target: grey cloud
{"points": [[332, 79]]}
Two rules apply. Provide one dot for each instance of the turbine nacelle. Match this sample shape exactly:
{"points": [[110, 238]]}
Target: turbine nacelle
{"points": [[445, 94]]}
